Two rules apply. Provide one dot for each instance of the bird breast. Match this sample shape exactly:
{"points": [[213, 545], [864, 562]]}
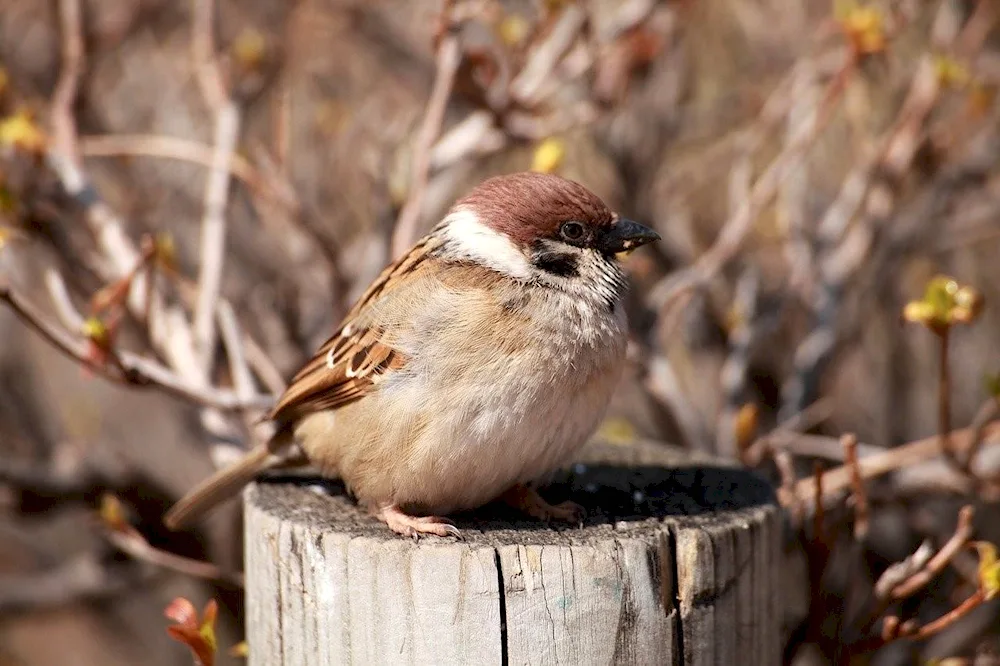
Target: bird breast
{"points": [[500, 387]]}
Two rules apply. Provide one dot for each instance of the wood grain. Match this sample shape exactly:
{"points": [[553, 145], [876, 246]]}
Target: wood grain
{"points": [[675, 564]]}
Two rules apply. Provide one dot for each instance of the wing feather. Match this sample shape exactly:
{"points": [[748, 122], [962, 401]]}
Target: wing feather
{"points": [[350, 364]]}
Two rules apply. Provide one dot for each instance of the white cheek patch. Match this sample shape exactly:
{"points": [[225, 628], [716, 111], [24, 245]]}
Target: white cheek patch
{"points": [[473, 239]]}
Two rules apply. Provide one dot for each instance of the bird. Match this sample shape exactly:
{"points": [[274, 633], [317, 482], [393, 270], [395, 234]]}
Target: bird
{"points": [[475, 365]]}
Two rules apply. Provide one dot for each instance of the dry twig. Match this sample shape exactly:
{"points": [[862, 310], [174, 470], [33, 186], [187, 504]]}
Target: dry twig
{"points": [[129, 369], [131, 542], [213, 224], [893, 459], [912, 583], [449, 55], [860, 496]]}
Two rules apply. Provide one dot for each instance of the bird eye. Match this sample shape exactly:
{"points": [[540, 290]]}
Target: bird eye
{"points": [[571, 231]]}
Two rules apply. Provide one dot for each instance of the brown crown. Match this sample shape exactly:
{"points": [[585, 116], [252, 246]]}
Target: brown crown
{"points": [[527, 206]]}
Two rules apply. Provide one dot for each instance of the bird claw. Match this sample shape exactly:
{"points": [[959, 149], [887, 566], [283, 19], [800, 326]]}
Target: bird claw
{"points": [[403, 523], [530, 502]]}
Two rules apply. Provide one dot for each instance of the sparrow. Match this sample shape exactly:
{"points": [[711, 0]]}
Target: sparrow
{"points": [[473, 366]]}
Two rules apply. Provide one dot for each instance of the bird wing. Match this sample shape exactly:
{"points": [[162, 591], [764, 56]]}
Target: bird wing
{"points": [[349, 365]]}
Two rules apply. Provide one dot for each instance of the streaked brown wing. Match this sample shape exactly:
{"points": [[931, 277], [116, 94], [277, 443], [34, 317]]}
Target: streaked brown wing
{"points": [[348, 365]]}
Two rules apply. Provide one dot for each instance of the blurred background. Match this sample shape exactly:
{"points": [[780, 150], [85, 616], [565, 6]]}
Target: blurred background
{"points": [[192, 194]]}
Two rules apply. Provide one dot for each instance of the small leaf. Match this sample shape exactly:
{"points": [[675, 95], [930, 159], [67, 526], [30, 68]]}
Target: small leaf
{"points": [[745, 425], [113, 513], [182, 611], [241, 650], [989, 568], [968, 304], [945, 302], [617, 431], [199, 636], [97, 332], [22, 132], [165, 251], [991, 382], [864, 27], [918, 312], [950, 72], [548, 156], [250, 48], [514, 29], [207, 629]]}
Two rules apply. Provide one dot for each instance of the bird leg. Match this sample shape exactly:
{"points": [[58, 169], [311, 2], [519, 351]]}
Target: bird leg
{"points": [[403, 523], [527, 499]]}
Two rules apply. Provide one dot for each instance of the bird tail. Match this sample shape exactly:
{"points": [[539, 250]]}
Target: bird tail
{"points": [[279, 451]]}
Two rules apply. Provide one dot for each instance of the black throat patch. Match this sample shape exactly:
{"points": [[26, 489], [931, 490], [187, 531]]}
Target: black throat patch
{"points": [[563, 265]]}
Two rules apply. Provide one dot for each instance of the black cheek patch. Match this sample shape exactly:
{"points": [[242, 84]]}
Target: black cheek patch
{"points": [[564, 265]]}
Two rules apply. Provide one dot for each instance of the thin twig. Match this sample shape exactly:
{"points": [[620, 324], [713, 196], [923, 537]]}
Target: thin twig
{"points": [[986, 413], [239, 368], [209, 76], [213, 232], [926, 631], [850, 445], [786, 492], [786, 433], [213, 223], [893, 459], [937, 564], [944, 398], [169, 147], [528, 84], [448, 58], [134, 370], [131, 542], [819, 513], [233, 341], [63, 126], [730, 239]]}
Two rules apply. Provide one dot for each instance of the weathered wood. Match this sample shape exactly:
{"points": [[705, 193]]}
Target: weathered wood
{"points": [[676, 564]]}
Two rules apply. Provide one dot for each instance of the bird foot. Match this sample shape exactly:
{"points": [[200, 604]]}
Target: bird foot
{"points": [[530, 502], [403, 523]]}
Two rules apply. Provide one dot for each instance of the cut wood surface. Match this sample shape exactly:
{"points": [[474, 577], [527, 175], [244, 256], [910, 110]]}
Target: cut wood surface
{"points": [[677, 563]]}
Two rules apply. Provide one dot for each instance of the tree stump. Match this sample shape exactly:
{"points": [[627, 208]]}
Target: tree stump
{"points": [[677, 563]]}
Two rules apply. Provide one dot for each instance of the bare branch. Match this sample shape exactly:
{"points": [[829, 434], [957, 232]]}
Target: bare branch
{"points": [[63, 125], [169, 147], [213, 231], [213, 223], [133, 370], [934, 566], [850, 444], [448, 58], [893, 459], [527, 86], [131, 542]]}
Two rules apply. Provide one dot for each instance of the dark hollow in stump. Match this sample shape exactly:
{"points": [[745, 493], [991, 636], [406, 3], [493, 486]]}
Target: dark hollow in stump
{"points": [[677, 563]]}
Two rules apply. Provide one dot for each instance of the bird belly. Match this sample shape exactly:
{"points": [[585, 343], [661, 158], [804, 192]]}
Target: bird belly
{"points": [[470, 439], [452, 431]]}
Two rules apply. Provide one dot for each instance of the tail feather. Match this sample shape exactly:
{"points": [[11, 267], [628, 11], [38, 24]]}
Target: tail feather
{"points": [[227, 482]]}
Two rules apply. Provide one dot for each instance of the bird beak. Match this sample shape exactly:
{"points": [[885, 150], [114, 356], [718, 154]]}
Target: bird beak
{"points": [[625, 236]]}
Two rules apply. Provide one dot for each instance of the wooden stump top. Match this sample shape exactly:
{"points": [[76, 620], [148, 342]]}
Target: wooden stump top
{"points": [[675, 563]]}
